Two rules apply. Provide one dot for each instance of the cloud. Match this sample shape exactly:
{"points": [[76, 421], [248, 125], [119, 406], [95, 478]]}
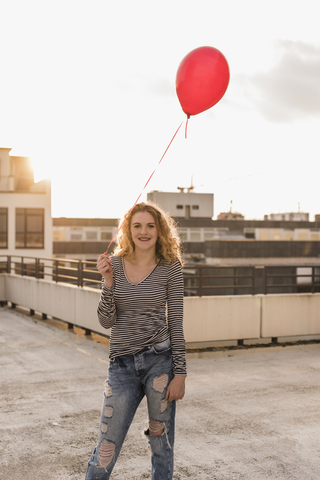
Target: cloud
{"points": [[291, 89]]}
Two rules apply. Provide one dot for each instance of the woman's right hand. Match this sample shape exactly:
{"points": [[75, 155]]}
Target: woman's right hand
{"points": [[105, 268]]}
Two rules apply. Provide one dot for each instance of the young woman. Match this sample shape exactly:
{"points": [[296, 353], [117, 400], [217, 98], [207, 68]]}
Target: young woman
{"points": [[142, 303]]}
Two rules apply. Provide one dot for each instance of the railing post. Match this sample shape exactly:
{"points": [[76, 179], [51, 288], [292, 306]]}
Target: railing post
{"points": [[56, 272], [9, 264], [259, 279], [313, 286], [36, 267], [80, 274], [22, 269]]}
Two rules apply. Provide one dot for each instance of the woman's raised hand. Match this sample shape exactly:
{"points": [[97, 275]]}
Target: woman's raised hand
{"points": [[105, 268]]}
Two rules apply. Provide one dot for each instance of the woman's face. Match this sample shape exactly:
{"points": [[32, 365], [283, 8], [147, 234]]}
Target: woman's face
{"points": [[144, 231]]}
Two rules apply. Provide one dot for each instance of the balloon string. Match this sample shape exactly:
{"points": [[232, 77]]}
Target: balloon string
{"points": [[135, 203], [185, 132]]}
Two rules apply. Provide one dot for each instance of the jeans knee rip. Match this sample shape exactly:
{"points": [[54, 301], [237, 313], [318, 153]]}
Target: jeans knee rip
{"points": [[108, 411], [154, 439], [104, 428], [156, 427], [107, 389], [164, 404], [106, 453], [160, 383]]}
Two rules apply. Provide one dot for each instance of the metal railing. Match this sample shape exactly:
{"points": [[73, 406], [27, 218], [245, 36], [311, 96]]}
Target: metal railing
{"points": [[250, 280], [199, 280], [206, 280], [60, 270]]}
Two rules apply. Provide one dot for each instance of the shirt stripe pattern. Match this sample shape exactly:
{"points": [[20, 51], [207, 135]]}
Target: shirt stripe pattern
{"points": [[145, 313]]}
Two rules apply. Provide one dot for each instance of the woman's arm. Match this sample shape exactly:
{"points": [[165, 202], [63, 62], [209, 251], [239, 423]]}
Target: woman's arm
{"points": [[175, 292], [176, 388], [106, 308]]}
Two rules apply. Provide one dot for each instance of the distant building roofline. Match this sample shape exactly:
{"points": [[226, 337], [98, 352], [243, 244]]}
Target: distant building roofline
{"points": [[84, 222]]}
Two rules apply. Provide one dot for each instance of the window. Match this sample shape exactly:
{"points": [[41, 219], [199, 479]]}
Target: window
{"points": [[195, 235], [29, 227], [76, 236], [91, 235], [183, 233], [195, 207], [180, 207], [3, 228], [209, 233], [249, 233], [76, 233], [58, 235], [106, 236]]}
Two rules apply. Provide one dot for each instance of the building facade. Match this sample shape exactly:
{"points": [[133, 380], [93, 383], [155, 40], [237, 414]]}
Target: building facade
{"points": [[25, 209], [225, 240], [186, 204], [82, 238]]}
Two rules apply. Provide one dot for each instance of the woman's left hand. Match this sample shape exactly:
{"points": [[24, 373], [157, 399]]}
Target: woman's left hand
{"points": [[176, 388]]}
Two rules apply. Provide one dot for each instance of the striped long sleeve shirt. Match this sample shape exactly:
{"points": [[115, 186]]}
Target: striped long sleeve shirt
{"points": [[145, 313]]}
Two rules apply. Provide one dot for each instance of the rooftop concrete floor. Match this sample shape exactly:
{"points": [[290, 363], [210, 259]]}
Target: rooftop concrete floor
{"points": [[247, 414]]}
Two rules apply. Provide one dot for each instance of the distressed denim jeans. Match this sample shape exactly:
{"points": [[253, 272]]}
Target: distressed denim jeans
{"points": [[130, 378]]}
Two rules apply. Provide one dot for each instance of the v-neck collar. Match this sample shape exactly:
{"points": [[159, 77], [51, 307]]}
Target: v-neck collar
{"points": [[138, 283]]}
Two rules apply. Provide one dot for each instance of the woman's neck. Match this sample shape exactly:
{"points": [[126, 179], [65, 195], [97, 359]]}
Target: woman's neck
{"points": [[143, 258]]}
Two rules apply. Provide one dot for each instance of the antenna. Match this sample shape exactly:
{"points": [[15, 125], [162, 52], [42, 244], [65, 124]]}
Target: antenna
{"points": [[189, 189]]}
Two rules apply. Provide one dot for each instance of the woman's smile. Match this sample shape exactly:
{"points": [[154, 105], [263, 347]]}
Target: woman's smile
{"points": [[143, 229]]}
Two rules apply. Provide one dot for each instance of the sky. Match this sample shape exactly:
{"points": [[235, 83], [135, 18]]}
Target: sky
{"points": [[87, 90]]}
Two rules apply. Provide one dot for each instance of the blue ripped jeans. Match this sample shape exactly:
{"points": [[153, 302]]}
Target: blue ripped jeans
{"points": [[130, 378]]}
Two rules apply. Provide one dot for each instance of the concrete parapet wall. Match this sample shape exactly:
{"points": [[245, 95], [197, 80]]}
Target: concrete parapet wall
{"points": [[206, 319], [65, 302], [286, 315], [2, 288], [217, 318]]}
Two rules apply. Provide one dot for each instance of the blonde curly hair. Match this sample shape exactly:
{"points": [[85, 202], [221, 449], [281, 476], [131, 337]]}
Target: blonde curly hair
{"points": [[168, 246]]}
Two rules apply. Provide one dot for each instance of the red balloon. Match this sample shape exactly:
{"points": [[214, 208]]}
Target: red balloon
{"points": [[202, 79]]}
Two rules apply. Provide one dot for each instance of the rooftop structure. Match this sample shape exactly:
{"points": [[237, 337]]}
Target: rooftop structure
{"points": [[289, 216], [186, 204], [25, 208], [230, 216]]}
